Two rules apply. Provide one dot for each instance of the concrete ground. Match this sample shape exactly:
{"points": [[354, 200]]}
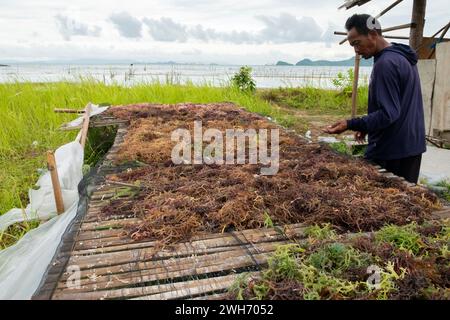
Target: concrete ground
{"points": [[435, 164]]}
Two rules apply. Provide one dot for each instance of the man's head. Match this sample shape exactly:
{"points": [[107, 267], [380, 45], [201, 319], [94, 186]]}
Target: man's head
{"points": [[363, 34]]}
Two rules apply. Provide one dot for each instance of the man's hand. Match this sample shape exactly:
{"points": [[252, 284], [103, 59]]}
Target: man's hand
{"points": [[360, 137], [336, 128]]}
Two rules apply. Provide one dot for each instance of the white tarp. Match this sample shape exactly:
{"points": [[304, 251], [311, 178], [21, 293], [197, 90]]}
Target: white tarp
{"points": [[95, 109], [23, 265], [69, 163]]}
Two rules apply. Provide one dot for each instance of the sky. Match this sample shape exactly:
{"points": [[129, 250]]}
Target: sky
{"points": [[201, 31]]}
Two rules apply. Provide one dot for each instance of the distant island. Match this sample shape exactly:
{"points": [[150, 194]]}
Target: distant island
{"points": [[328, 63], [3, 65], [282, 63]]}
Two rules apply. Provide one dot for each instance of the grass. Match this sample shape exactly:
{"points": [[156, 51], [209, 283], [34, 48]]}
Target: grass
{"points": [[445, 184], [441, 188], [14, 232], [317, 101]]}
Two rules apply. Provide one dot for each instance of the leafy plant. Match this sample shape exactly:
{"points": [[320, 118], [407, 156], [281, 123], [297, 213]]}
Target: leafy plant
{"points": [[344, 82], [243, 80]]}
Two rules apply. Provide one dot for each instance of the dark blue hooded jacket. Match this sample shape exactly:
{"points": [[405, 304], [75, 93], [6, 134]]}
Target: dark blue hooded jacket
{"points": [[395, 121]]}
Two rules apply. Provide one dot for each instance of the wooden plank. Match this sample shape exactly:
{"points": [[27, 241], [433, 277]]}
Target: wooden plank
{"points": [[214, 296], [100, 234], [441, 214], [144, 254], [51, 165], [112, 258], [85, 126], [109, 224], [180, 251], [211, 285], [167, 270], [198, 286], [111, 238]]}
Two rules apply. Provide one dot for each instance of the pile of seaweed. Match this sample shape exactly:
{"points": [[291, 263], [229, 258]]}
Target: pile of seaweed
{"points": [[399, 263], [314, 184]]}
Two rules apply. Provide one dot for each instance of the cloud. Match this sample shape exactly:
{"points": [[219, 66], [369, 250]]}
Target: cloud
{"points": [[69, 27], [127, 25], [283, 29], [166, 29], [287, 29]]}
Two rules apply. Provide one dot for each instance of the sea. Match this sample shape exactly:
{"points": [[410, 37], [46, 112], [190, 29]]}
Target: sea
{"points": [[211, 74]]}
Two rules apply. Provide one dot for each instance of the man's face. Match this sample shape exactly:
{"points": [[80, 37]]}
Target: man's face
{"points": [[364, 45]]}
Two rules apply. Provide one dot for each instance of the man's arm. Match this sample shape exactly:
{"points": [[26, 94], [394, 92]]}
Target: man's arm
{"points": [[387, 95]]}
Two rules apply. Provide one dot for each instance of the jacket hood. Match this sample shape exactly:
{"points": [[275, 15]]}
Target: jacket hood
{"points": [[404, 50]]}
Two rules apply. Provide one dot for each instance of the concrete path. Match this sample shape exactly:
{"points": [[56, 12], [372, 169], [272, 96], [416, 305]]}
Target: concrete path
{"points": [[435, 164]]}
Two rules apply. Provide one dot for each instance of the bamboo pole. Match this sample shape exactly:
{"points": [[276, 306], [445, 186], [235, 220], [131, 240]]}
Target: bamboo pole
{"points": [[341, 33], [387, 9], [355, 84], [62, 110], [51, 165], [85, 128], [402, 26]]}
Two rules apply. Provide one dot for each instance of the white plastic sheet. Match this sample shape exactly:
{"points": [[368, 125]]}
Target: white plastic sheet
{"points": [[23, 265], [69, 163], [95, 109]]}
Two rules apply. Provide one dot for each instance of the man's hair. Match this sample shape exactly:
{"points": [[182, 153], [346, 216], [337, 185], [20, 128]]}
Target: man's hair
{"points": [[363, 23]]}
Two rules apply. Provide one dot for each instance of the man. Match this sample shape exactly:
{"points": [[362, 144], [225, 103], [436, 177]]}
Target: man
{"points": [[395, 121]]}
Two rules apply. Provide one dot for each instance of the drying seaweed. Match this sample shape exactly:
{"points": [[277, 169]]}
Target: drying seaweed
{"points": [[314, 184], [339, 268]]}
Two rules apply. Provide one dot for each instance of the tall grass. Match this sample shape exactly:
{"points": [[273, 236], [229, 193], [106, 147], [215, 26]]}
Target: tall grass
{"points": [[317, 100], [29, 126]]}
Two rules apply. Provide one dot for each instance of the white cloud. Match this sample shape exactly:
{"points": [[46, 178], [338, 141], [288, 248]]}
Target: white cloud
{"points": [[165, 29], [127, 25], [285, 28], [69, 27]]}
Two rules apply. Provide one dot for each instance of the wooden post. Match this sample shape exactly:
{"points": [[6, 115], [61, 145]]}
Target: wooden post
{"points": [[355, 84], [84, 129], [51, 165], [418, 18], [62, 110]]}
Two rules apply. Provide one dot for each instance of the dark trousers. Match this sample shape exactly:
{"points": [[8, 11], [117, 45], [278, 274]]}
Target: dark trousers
{"points": [[407, 168]]}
